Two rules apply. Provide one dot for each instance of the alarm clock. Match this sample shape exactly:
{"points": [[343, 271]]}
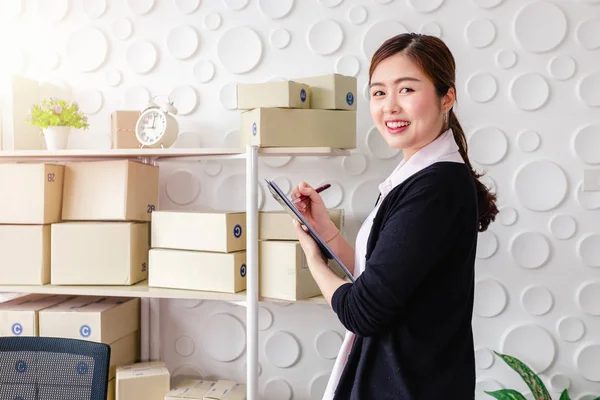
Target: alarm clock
{"points": [[157, 126]]}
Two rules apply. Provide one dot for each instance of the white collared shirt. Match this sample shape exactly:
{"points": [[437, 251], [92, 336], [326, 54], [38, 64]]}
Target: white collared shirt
{"points": [[443, 148]]}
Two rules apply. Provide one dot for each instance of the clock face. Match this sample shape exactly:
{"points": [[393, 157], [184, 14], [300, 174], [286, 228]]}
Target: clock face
{"points": [[152, 126]]}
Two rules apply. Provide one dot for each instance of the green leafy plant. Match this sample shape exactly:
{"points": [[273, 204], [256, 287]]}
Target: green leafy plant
{"points": [[57, 112], [533, 381]]}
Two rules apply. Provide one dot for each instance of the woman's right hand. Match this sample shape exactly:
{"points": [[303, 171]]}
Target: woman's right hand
{"points": [[314, 210]]}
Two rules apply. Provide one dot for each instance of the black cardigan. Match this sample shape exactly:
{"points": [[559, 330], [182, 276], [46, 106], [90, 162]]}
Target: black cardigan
{"points": [[411, 308]]}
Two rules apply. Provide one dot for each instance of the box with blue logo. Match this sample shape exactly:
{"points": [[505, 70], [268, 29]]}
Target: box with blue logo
{"points": [[199, 230], [190, 389], [285, 94], [197, 270], [20, 316], [285, 127], [331, 91], [111, 320]]}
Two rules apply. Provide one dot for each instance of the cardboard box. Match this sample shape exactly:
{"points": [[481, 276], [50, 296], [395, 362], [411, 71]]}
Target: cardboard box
{"points": [[284, 273], [120, 190], [331, 92], [24, 254], [31, 193], [111, 393], [286, 94], [277, 225], [196, 270], [283, 127], [147, 380], [226, 390], [99, 253], [192, 389], [201, 231], [122, 132], [20, 316]]}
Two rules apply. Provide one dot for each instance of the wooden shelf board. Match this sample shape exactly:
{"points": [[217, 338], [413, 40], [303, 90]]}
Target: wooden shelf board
{"points": [[302, 151]]}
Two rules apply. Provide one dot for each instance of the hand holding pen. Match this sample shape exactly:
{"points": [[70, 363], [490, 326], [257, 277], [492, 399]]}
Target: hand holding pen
{"points": [[318, 190]]}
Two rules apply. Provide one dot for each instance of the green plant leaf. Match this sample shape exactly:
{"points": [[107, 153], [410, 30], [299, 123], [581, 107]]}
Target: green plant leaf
{"points": [[531, 379], [565, 395], [507, 394]]}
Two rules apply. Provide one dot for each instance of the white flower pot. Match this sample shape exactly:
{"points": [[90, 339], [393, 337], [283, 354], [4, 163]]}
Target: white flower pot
{"points": [[57, 137]]}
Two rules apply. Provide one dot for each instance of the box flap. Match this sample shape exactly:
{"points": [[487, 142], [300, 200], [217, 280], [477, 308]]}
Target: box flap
{"points": [[93, 304], [153, 368]]}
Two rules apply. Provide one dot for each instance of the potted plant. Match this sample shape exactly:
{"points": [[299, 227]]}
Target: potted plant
{"points": [[533, 381], [56, 117]]}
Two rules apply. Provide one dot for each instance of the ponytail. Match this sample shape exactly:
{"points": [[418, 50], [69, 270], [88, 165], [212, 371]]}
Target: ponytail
{"points": [[486, 200]]}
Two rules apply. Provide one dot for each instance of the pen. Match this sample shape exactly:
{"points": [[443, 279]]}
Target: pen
{"points": [[318, 190]]}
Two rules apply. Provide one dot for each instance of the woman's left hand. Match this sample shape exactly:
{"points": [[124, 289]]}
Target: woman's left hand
{"points": [[310, 247]]}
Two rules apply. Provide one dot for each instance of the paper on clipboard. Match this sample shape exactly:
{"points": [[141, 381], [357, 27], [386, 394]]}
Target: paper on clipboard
{"points": [[287, 205]]}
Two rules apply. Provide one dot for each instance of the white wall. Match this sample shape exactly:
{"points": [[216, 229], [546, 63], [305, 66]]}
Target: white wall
{"points": [[528, 93]]}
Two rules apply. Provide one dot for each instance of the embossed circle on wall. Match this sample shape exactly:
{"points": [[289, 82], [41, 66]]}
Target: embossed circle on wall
{"points": [[236, 4], [379, 32], [122, 29], [284, 184], [480, 32], [185, 99], [212, 167], [13, 8], [137, 97], [187, 6], [537, 300], [331, 3], [355, 164], [529, 141], [529, 91], [585, 142], [432, 29], [588, 89], [113, 78], [212, 21], [90, 101], [282, 349], [231, 194], [55, 10], [537, 37], [87, 49], [530, 250], [490, 298], [481, 87], [563, 226], [508, 216], [559, 382], [484, 358], [363, 198], [570, 329], [378, 147], [357, 15], [425, 6], [587, 360], [140, 7], [540, 185], [347, 65], [182, 187], [275, 9], [182, 42], [277, 162], [277, 389], [488, 3], [204, 71], [141, 57], [94, 8], [488, 145], [265, 318], [487, 244], [318, 386], [562, 67], [506, 59], [219, 347], [531, 344], [333, 196], [280, 38], [588, 249], [239, 49], [588, 298], [184, 346], [588, 33], [587, 200], [328, 344], [325, 37]]}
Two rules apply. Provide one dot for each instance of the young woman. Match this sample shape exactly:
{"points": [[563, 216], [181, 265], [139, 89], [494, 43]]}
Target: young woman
{"points": [[408, 314]]}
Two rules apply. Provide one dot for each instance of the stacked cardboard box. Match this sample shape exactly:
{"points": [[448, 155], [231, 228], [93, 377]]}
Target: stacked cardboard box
{"points": [[317, 111], [195, 389], [145, 380], [20, 316], [284, 273], [198, 250]]}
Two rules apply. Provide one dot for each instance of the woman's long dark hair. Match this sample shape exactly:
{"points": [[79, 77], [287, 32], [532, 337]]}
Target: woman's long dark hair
{"points": [[437, 62]]}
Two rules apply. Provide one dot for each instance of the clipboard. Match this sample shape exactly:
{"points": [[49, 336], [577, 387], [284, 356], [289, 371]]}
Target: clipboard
{"points": [[287, 205]]}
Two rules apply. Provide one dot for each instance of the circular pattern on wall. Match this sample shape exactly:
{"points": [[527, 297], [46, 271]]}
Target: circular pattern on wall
{"points": [[562, 67], [239, 49], [588, 249], [536, 37], [331, 3], [347, 65], [540, 185], [432, 29], [236, 4], [333, 196], [378, 147], [490, 298], [379, 32], [537, 300], [55, 10], [529, 91], [570, 329], [122, 29], [508, 216], [559, 382], [530, 250], [212, 21], [211, 167], [506, 59], [363, 198], [357, 15], [182, 42], [282, 349], [280, 38], [275, 9], [484, 358], [487, 244], [488, 145], [588, 34], [219, 347], [90, 101], [265, 318], [140, 7], [328, 344], [325, 37], [204, 71], [481, 87], [587, 360], [137, 97], [87, 49], [184, 346], [187, 6], [588, 298], [277, 389], [182, 187], [488, 3], [588, 89], [426, 6], [276, 162], [587, 200], [480, 32], [185, 99], [141, 57], [113, 78], [355, 164], [231, 194], [563, 226], [585, 142], [94, 8], [529, 141], [531, 344], [318, 386]]}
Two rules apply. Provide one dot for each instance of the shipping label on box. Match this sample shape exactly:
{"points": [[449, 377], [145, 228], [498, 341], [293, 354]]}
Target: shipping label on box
{"points": [[148, 381], [20, 316], [191, 389], [201, 231], [123, 124], [93, 318], [31, 193], [120, 190], [277, 225], [332, 91], [286, 94], [282, 127], [24, 254], [99, 253], [226, 390], [196, 270]]}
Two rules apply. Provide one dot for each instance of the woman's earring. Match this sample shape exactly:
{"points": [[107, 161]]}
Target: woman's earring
{"points": [[446, 117]]}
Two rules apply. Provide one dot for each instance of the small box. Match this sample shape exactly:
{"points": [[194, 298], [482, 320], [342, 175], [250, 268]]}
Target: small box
{"points": [[226, 390], [24, 254], [201, 231], [283, 271], [286, 94], [20, 316], [123, 124], [331, 92], [196, 270], [283, 127], [120, 190], [31, 193], [111, 393], [99, 253], [277, 225], [191, 389], [147, 381]]}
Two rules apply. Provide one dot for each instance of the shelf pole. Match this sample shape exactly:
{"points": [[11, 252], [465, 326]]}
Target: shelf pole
{"points": [[252, 272]]}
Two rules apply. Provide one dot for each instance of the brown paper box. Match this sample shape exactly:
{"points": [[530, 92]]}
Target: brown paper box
{"points": [[123, 129]]}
